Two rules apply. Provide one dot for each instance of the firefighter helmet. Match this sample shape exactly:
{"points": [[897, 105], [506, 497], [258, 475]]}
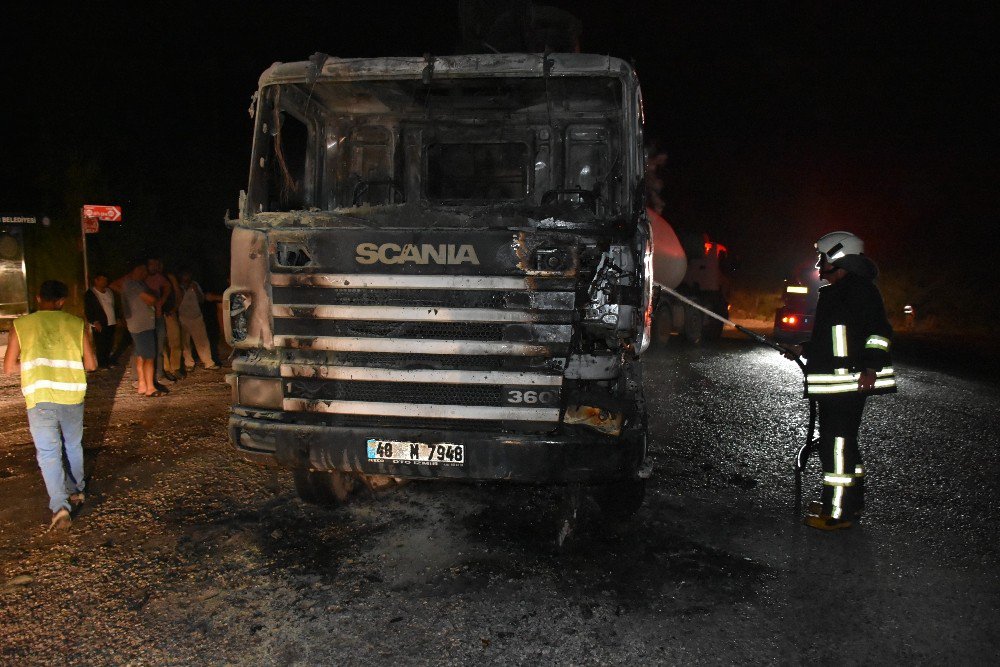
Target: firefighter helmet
{"points": [[836, 245]]}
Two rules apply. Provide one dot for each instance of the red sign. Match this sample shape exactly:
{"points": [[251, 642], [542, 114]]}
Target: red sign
{"points": [[106, 213], [90, 226]]}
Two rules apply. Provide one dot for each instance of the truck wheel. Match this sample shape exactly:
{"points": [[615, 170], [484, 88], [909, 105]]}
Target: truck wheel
{"points": [[619, 501], [713, 329], [693, 325], [324, 487]]}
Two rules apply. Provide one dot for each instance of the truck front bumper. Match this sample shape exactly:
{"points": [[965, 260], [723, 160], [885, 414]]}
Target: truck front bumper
{"points": [[535, 458]]}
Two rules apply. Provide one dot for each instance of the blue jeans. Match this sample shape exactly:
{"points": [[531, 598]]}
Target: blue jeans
{"points": [[57, 428]]}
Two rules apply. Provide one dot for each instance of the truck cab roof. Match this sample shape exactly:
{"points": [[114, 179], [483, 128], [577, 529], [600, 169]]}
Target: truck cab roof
{"points": [[323, 67]]}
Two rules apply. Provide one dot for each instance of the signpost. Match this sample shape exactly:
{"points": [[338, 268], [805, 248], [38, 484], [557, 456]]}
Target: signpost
{"points": [[90, 215], [101, 212]]}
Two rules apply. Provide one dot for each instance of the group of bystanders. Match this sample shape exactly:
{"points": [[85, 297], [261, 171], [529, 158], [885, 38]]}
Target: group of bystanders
{"points": [[163, 315]]}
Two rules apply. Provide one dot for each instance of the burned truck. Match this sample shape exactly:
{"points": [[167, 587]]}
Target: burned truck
{"points": [[442, 268]]}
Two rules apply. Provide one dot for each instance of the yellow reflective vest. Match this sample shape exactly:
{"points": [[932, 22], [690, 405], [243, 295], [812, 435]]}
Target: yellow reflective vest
{"points": [[51, 358]]}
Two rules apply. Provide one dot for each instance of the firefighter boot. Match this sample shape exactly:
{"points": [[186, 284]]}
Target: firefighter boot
{"points": [[826, 522], [815, 508]]}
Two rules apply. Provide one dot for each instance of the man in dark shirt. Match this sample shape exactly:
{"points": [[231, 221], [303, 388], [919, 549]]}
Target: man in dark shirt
{"points": [[99, 307], [168, 337], [847, 360]]}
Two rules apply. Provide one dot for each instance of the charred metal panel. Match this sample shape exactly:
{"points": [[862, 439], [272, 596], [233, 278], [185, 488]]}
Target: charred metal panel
{"points": [[273, 365], [440, 298], [427, 331], [496, 64], [415, 314], [388, 281], [593, 367], [350, 391], [427, 252], [417, 346], [457, 377], [423, 410]]}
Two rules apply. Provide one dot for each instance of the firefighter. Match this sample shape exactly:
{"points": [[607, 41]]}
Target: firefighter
{"points": [[847, 360]]}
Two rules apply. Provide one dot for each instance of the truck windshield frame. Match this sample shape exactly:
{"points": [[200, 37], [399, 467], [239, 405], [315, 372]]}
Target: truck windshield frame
{"points": [[337, 145]]}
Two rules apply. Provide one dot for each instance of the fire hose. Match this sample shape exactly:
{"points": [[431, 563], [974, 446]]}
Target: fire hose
{"points": [[803, 453]]}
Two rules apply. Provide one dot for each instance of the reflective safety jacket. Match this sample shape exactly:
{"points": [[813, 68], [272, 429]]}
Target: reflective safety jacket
{"points": [[51, 358], [850, 334]]}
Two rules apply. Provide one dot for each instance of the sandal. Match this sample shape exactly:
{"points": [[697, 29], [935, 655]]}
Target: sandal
{"points": [[155, 394], [61, 520]]}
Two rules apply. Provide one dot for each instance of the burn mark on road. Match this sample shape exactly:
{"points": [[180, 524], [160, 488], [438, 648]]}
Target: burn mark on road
{"points": [[651, 563]]}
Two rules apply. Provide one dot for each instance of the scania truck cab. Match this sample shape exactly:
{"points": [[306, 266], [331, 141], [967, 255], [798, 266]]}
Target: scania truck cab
{"points": [[442, 268]]}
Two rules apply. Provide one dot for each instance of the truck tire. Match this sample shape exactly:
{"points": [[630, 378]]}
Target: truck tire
{"points": [[713, 327], [694, 325], [324, 487]]}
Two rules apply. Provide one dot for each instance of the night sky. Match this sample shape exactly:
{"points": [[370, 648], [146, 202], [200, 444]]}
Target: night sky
{"points": [[781, 121]]}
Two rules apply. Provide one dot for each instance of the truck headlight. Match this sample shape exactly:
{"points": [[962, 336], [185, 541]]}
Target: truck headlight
{"points": [[239, 316], [246, 302], [259, 392]]}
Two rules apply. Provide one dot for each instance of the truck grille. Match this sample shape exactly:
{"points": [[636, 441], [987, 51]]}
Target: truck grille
{"points": [[481, 331], [429, 298], [430, 351], [399, 392], [443, 361]]}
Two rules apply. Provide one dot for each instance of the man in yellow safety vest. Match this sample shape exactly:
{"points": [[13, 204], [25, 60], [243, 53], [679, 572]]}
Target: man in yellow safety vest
{"points": [[52, 350]]}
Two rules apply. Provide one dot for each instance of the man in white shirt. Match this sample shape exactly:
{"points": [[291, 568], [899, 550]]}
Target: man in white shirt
{"points": [[99, 307]]}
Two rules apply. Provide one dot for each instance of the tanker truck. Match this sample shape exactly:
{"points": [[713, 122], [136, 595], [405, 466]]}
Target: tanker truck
{"points": [[704, 281]]}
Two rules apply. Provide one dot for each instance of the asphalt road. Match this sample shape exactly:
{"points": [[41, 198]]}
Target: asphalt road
{"points": [[184, 554]]}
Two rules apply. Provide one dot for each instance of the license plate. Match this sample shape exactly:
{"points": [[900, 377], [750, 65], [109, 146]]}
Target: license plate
{"points": [[419, 453]]}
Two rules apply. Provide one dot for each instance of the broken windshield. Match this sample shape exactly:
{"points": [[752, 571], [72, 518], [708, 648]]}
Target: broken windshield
{"points": [[468, 142]]}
